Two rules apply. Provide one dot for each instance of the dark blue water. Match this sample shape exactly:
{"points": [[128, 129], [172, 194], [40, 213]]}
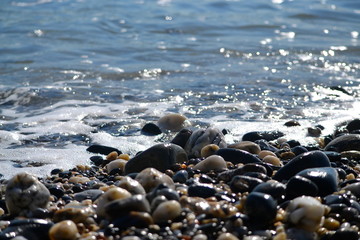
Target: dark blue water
{"points": [[78, 72]]}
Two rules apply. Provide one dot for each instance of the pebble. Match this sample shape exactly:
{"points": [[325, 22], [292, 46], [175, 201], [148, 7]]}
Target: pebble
{"points": [[91, 194], [303, 161], [274, 188], [160, 156], [150, 178], [182, 137], [209, 150], [112, 194], [248, 146], [306, 213], [166, 211], [237, 156], [343, 143], [326, 179], [262, 135], [272, 160], [120, 207], [202, 137], [284, 191], [116, 164], [214, 162], [201, 190], [298, 186], [173, 122], [101, 149], [24, 193], [64, 230], [151, 129], [261, 209], [131, 185]]}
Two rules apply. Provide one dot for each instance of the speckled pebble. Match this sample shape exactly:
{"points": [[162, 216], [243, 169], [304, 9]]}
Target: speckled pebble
{"points": [[24, 193]]}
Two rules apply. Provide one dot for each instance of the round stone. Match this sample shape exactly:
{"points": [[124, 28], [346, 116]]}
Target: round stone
{"points": [[172, 122], [168, 210], [306, 213], [150, 178], [345, 142], [303, 161], [202, 137], [64, 230], [24, 193], [248, 146], [160, 156], [236, 156], [214, 162], [261, 208]]}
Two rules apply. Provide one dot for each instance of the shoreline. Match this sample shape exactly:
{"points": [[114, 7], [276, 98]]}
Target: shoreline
{"points": [[198, 187]]}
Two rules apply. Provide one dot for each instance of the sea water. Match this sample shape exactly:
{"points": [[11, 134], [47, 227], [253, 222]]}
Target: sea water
{"points": [[80, 72]]}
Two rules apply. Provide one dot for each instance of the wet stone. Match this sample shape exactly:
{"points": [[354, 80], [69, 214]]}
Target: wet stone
{"points": [[150, 178], [298, 186], [306, 213], [353, 125], [261, 208], [120, 207], [101, 149], [160, 156], [131, 185], [182, 137], [202, 137], [258, 135], [24, 193], [34, 229], [201, 190], [214, 162], [236, 156], [242, 183], [345, 142], [151, 129], [172, 122], [91, 194], [303, 161], [181, 176], [248, 146], [274, 188]]}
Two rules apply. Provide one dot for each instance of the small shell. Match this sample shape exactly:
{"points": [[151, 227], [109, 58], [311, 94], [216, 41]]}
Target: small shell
{"points": [[64, 230]]}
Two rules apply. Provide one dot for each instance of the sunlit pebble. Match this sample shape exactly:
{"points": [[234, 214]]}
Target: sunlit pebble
{"points": [[64, 230], [167, 211], [112, 156], [110, 195], [272, 160], [118, 163], [79, 179], [209, 150], [265, 153], [227, 236]]}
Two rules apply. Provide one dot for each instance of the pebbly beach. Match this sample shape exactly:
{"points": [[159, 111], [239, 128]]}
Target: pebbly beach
{"points": [[196, 186]]}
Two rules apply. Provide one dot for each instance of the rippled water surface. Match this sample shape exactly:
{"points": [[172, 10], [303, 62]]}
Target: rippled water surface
{"points": [[74, 73]]}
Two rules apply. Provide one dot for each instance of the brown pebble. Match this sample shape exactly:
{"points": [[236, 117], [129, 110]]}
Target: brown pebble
{"points": [[272, 160], [112, 156], [248, 146], [64, 230], [209, 150]]}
